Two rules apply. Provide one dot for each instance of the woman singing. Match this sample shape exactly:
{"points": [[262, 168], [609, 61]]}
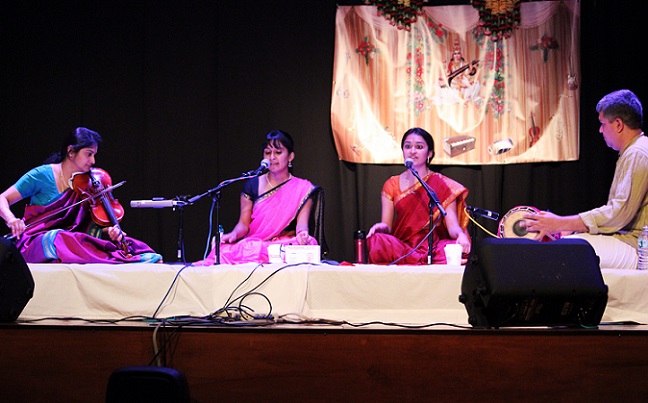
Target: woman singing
{"points": [[275, 208], [400, 236]]}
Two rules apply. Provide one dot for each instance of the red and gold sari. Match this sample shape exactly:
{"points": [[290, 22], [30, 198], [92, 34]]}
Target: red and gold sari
{"points": [[412, 221]]}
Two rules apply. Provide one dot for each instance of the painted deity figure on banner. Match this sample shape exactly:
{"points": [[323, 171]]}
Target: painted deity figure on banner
{"points": [[464, 76], [461, 83]]}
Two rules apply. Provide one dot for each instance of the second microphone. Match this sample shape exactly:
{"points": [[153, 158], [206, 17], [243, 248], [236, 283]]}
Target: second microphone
{"points": [[265, 163]]}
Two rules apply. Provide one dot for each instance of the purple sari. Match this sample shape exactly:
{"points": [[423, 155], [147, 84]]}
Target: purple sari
{"points": [[70, 236]]}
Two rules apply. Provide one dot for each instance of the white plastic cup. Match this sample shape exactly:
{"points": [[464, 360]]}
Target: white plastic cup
{"points": [[274, 253], [453, 254]]}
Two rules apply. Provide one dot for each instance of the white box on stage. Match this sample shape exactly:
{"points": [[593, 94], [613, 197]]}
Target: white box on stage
{"points": [[302, 254]]}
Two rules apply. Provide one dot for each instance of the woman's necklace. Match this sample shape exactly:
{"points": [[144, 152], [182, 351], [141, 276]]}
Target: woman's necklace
{"points": [[270, 183], [63, 181]]}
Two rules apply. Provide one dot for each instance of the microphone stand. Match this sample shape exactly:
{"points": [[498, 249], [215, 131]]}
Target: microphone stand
{"points": [[434, 201], [476, 212], [215, 194], [473, 230], [180, 202]]}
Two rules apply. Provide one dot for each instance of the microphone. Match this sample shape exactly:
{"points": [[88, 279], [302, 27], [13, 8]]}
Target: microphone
{"points": [[483, 213], [265, 163], [408, 163], [156, 203]]}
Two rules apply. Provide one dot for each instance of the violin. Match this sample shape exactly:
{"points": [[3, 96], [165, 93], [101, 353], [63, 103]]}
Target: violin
{"points": [[105, 210], [45, 217], [534, 131]]}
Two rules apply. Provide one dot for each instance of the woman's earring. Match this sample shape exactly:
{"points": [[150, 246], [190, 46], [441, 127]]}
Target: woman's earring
{"points": [[289, 164]]}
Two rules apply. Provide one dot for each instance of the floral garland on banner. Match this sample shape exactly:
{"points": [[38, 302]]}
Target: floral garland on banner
{"points": [[400, 13], [366, 49], [494, 62], [498, 18], [546, 43]]}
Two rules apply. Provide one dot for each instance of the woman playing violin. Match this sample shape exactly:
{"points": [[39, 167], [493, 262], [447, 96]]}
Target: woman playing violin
{"points": [[58, 225]]}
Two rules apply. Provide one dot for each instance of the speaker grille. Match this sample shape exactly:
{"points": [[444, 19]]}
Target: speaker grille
{"points": [[16, 282], [521, 282]]}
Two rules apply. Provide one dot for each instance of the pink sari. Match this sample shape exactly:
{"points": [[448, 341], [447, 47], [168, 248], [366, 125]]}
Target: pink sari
{"points": [[411, 222], [272, 214]]}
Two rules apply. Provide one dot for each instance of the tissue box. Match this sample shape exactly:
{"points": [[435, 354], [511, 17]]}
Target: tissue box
{"points": [[302, 254]]}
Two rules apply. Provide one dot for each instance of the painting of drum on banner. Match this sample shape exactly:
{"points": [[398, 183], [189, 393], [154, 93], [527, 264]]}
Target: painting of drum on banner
{"points": [[485, 101]]}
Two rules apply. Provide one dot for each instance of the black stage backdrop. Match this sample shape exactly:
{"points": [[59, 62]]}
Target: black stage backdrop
{"points": [[184, 91]]}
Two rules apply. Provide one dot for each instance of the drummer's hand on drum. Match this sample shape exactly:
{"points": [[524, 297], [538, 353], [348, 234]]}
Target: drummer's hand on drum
{"points": [[544, 223]]}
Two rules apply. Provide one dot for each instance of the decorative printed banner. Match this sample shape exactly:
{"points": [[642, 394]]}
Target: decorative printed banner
{"points": [[486, 99]]}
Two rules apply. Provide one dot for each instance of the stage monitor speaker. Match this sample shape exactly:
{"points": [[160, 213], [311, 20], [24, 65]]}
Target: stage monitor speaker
{"points": [[16, 282], [142, 384], [522, 282]]}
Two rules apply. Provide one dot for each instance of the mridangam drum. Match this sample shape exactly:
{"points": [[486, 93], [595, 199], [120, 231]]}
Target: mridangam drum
{"points": [[511, 225]]}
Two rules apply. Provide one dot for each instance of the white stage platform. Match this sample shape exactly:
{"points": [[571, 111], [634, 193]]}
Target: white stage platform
{"points": [[357, 294]]}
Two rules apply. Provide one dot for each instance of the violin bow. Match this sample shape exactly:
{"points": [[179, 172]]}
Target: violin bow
{"points": [[62, 209]]}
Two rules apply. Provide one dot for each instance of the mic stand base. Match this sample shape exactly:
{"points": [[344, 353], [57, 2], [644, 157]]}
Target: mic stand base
{"points": [[179, 203], [473, 232], [431, 205], [180, 255], [215, 193], [216, 201]]}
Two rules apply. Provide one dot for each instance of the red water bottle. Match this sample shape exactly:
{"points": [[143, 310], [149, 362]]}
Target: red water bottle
{"points": [[360, 247]]}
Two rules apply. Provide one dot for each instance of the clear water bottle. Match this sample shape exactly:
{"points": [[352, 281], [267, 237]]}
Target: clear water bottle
{"points": [[642, 249]]}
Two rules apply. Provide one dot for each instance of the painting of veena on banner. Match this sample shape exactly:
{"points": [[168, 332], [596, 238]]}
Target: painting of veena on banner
{"points": [[485, 98]]}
